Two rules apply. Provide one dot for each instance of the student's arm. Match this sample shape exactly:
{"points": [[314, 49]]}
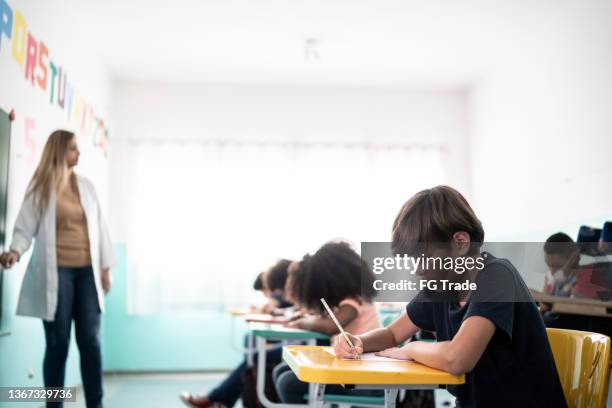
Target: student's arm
{"points": [[324, 324], [400, 330], [457, 356], [546, 282], [545, 307], [270, 306]]}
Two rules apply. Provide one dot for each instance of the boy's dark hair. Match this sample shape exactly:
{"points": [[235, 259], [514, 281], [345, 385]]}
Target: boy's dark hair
{"points": [[431, 217], [277, 275], [258, 284], [559, 244], [335, 272]]}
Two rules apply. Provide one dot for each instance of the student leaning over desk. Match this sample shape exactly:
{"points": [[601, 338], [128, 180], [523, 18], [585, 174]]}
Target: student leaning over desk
{"points": [[338, 274], [69, 270], [495, 337]]}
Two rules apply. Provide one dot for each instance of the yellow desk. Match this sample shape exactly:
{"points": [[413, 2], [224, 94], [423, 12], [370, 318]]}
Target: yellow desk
{"points": [[313, 364]]}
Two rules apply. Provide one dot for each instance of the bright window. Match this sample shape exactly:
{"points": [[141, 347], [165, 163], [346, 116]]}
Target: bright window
{"points": [[205, 218]]}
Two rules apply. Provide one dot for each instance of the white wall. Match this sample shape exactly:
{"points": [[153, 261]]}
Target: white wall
{"points": [[145, 111], [541, 129], [23, 349]]}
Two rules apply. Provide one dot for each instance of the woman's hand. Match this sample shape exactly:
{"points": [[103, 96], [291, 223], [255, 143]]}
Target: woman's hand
{"points": [[107, 280], [399, 353], [8, 259], [343, 350]]}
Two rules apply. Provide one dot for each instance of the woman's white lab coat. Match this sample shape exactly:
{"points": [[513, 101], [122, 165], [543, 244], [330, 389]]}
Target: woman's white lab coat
{"points": [[38, 296]]}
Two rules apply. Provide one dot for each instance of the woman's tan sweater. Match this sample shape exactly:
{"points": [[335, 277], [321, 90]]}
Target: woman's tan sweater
{"points": [[72, 239]]}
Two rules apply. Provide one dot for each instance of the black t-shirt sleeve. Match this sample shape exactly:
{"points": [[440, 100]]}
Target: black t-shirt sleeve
{"points": [[501, 314], [420, 311], [494, 296]]}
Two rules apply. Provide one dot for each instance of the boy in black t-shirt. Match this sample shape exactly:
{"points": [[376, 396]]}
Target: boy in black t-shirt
{"points": [[494, 335]]}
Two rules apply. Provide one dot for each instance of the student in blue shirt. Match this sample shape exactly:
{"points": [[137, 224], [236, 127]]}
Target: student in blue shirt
{"points": [[494, 335]]}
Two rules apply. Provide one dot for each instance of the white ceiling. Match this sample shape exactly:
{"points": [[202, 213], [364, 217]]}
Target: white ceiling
{"points": [[399, 43]]}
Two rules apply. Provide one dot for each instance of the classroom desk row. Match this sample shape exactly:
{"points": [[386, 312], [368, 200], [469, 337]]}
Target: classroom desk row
{"points": [[318, 367], [579, 314]]}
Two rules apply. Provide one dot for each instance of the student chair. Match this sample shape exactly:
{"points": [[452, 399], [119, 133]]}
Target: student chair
{"points": [[583, 363]]}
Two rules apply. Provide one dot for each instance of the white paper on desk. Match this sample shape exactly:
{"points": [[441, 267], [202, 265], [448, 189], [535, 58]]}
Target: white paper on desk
{"points": [[367, 357]]}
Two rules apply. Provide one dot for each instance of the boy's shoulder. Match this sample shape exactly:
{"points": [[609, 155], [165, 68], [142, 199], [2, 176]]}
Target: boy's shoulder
{"points": [[500, 281]]}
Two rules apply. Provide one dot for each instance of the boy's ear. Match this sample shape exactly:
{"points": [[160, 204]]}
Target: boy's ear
{"points": [[461, 243]]}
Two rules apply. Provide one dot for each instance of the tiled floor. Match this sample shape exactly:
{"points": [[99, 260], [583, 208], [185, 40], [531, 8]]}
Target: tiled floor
{"points": [[160, 390], [151, 390]]}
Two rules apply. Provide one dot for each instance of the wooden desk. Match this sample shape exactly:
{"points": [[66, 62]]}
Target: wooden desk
{"points": [[576, 306], [313, 364], [579, 314]]}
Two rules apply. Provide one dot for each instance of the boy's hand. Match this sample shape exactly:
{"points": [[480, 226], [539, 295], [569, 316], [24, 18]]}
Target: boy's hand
{"points": [[395, 352], [343, 350]]}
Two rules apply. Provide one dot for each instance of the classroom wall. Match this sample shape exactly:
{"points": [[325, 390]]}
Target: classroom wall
{"points": [[540, 129], [208, 340], [38, 112], [155, 111]]}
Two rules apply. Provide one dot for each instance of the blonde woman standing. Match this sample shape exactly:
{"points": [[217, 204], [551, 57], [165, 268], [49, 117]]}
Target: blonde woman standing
{"points": [[69, 270]]}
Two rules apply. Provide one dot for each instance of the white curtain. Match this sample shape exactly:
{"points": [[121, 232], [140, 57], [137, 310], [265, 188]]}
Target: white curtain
{"points": [[206, 217]]}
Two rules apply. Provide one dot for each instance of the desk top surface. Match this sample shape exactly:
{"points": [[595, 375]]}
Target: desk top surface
{"points": [[546, 298], [315, 364], [576, 306], [239, 311], [264, 318], [278, 331]]}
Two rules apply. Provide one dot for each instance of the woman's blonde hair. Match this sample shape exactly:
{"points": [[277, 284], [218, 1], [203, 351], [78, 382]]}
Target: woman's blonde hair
{"points": [[52, 171]]}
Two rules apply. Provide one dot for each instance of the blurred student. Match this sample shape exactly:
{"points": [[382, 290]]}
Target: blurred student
{"points": [[69, 270], [272, 284], [561, 255], [259, 286], [335, 272], [494, 337], [258, 283], [227, 393], [276, 278]]}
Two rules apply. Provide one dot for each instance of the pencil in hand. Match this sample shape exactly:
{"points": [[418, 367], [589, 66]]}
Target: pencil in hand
{"points": [[340, 329]]}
